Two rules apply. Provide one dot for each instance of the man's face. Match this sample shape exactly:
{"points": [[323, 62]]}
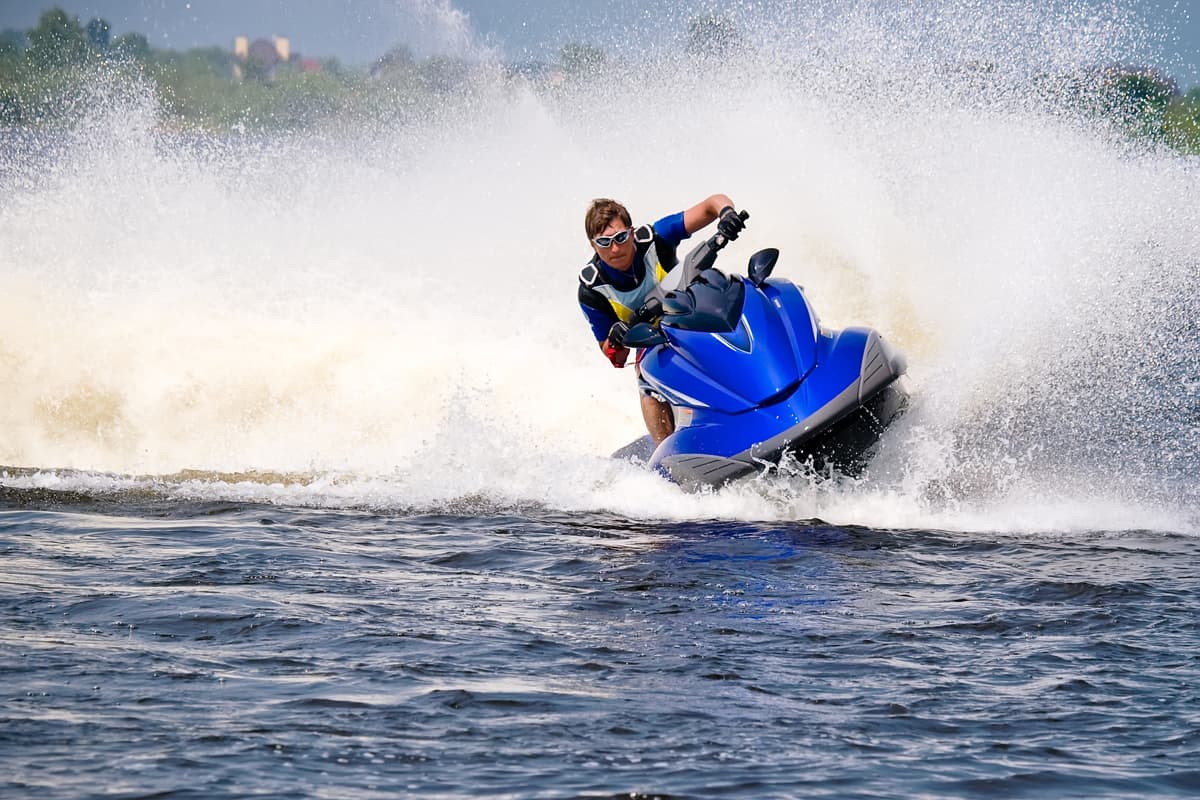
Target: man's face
{"points": [[617, 256]]}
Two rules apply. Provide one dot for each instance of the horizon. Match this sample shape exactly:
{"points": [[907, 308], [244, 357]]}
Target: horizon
{"points": [[517, 31]]}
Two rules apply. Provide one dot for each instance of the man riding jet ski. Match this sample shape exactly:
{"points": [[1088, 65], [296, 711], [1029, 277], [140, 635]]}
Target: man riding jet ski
{"points": [[625, 269], [751, 374]]}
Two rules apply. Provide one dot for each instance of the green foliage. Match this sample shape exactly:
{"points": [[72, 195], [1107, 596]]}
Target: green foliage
{"points": [[1142, 92], [1138, 100], [206, 61], [1181, 123], [582, 60], [12, 62], [57, 41], [399, 56], [131, 47], [197, 87], [1148, 106], [98, 35], [444, 74], [11, 112], [713, 35]]}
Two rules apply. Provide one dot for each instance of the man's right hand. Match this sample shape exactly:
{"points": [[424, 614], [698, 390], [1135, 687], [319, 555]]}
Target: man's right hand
{"points": [[617, 355], [616, 334]]}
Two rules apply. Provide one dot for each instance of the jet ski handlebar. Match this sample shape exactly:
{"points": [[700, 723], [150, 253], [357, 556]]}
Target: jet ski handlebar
{"points": [[704, 255]]}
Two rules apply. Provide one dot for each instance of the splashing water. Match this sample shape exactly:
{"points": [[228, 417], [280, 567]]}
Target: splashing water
{"points": [[385, 315]]}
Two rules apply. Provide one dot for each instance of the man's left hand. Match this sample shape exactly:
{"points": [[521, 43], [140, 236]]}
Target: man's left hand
{"points": [[729, 224]]}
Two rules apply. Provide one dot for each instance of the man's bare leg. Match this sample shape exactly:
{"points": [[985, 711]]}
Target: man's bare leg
{"points": [[660, 420]]}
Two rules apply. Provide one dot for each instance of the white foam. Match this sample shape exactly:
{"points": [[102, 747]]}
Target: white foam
{"points": [[389, 314]]}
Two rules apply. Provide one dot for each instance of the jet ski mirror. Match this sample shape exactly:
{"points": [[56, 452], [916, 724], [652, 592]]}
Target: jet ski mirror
{"points": [[644, 335], [652, 309], [762, 264]]}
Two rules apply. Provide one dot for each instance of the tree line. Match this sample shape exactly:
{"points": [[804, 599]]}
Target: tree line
{"points": [[45, 73]]}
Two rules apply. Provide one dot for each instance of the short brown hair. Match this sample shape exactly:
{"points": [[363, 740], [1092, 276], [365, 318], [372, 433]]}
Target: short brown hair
{"points": [[601, 212]]}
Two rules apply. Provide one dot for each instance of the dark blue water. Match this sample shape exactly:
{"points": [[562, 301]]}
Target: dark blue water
{"points": [[156, 648]]}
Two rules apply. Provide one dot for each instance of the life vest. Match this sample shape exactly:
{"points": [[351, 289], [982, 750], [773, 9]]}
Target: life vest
{"points": [[657, 257]]}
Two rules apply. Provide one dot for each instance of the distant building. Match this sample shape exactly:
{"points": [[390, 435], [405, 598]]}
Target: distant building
{"points": [[263, 57], [264, 53], [241, 51]]}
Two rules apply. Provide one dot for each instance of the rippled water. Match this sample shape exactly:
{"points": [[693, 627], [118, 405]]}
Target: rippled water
{"points": [[304, 474], [168, 649]]}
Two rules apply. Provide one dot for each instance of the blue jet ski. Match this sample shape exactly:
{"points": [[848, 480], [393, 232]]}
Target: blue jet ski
{"points": [[751, 375]]}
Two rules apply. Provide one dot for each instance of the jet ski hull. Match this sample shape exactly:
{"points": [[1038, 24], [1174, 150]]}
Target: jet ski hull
{"points": [[842, 444], [831, 420]]}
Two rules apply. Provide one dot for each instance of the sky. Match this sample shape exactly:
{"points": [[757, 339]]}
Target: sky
{"points": [[359, 31]]}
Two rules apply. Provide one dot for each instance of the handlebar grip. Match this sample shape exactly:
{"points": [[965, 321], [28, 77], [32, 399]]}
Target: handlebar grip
{"points": [[718, 240], [616, 333]]}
